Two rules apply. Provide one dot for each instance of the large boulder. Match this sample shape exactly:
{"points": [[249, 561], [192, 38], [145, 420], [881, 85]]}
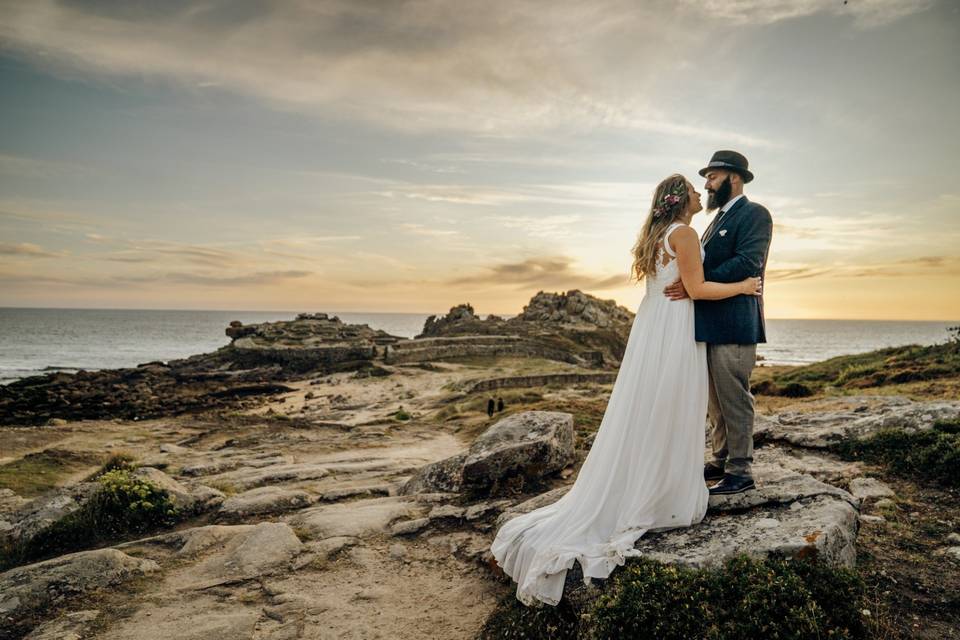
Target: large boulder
{"points": [[30, 518], [531, 444], [27, 590], [444, 475]]}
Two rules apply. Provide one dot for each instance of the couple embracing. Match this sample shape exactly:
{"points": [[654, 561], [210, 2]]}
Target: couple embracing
{"points": [[689, 356]]}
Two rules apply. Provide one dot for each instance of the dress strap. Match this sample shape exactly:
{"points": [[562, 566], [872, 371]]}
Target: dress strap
{"points": [[666, 235]]}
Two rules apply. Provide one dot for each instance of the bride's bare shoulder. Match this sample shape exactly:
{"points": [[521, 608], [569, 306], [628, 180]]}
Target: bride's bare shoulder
{"points": [[684, 231]]}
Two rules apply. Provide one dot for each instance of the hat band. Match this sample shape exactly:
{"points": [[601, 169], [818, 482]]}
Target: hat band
{"points": [[721, 163]]}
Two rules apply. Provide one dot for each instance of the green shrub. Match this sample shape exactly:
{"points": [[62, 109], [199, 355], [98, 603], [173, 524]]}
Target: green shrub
{"points": [[795, 390], [121, 504], [932, 455], [512, 620], [116, 461], [854, 372], [743, 598]]}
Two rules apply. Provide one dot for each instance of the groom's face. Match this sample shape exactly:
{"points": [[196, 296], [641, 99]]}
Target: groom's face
{"points": [[718, 188]]}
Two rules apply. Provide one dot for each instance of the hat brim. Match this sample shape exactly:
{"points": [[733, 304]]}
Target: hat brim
{"points": [[745, 174]]}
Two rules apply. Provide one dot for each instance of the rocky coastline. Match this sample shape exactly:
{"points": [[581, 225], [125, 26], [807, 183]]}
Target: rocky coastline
{"points": [[326, 480]]}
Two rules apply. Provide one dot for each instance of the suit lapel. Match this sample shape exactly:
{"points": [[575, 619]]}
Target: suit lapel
{"points": [[714, 227]]}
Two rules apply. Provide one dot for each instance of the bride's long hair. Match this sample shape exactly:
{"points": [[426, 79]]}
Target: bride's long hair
{"points": [[671, 199]]}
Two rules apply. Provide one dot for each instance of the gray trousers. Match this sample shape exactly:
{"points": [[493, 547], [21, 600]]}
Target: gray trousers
{"points": [[730, 408]]}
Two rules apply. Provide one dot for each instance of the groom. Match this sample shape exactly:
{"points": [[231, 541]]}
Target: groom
{"points": [[735, 247]]}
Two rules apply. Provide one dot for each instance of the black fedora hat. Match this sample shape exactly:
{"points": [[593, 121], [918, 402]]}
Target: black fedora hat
{"points": [[731, 161]]}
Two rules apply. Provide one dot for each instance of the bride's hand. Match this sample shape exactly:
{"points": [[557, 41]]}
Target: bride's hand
{"points": [[752, 286]]}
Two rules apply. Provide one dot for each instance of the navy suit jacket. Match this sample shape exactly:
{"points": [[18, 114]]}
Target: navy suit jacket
{"points": [[730, 256]]}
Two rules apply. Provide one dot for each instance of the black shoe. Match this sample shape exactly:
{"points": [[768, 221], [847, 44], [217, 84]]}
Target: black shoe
{"points": [[712, 472], [732, 484]]}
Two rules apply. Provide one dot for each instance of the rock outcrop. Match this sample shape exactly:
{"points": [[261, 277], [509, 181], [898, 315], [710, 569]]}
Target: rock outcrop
{"points": [[572, 327], [824, 423], [31, 588], [531, 445]]}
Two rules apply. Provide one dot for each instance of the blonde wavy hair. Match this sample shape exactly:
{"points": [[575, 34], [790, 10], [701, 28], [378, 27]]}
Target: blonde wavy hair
{"points": [[671, 199]]}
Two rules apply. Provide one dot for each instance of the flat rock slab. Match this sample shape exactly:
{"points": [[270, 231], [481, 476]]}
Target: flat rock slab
{"points": [[824, 528], [356, 519], [194, 617], [788, 514], [821, 465], [32, 587], [250, 477], [259, 550], [827, 422], [226, 461], [70, 626], [777, 485], [263, 500]]}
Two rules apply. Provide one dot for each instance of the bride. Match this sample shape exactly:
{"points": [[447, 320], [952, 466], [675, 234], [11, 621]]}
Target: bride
{"points": [[644, 471]]}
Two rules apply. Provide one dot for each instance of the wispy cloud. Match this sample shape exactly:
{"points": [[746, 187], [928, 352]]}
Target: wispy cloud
{"points": [[865, 13], [542, 271], [28, 249]]}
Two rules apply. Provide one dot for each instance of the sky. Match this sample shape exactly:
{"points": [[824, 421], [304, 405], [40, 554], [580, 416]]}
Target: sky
{"points": [[404, 156]]}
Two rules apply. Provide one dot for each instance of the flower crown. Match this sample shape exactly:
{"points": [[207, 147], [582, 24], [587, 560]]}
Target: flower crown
{"points": [[669, 199]]}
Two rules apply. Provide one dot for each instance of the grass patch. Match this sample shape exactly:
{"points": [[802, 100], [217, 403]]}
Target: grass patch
{"points": [[932, 456], [121, 504], [744, 598], [36, 473]]}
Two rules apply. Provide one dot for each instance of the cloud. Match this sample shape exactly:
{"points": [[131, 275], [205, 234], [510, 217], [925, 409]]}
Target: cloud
{"points": [[28, 249], [908, 267], [423, 65], [421, 230], [179, 278], [865, 13], [589, 194], [542, 271]]}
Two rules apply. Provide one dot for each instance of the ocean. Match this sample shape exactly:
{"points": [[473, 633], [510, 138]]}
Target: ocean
{"points": [[37, 341]]}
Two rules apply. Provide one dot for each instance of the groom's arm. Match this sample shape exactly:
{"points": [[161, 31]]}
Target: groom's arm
{"points": [[750, 251]]}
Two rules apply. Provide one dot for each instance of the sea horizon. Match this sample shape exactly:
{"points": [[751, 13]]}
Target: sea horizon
{"points": [[429, 313]]}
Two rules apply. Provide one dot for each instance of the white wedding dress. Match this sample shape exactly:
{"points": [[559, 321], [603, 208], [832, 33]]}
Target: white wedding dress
{"points": [[644, 471]]}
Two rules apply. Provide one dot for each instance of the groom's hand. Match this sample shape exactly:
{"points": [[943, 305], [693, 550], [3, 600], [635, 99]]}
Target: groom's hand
{"points": [[676, 291]]}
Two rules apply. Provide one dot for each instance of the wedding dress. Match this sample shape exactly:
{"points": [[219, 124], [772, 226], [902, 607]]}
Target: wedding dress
{"points": [[644, 471]]}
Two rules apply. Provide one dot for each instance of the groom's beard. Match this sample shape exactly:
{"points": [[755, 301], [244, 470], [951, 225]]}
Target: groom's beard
{"points": [[721, 196]]}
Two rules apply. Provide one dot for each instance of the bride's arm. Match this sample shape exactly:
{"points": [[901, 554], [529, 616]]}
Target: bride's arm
{"points": [[686, 244]]}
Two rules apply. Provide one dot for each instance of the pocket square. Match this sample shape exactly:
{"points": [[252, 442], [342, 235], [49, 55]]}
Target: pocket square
{"points": [[722, 232]]}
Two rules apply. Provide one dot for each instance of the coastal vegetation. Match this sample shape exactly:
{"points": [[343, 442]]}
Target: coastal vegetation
{"points": [[743, 598], [894, 369], [931, 456], [120, 504]]}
